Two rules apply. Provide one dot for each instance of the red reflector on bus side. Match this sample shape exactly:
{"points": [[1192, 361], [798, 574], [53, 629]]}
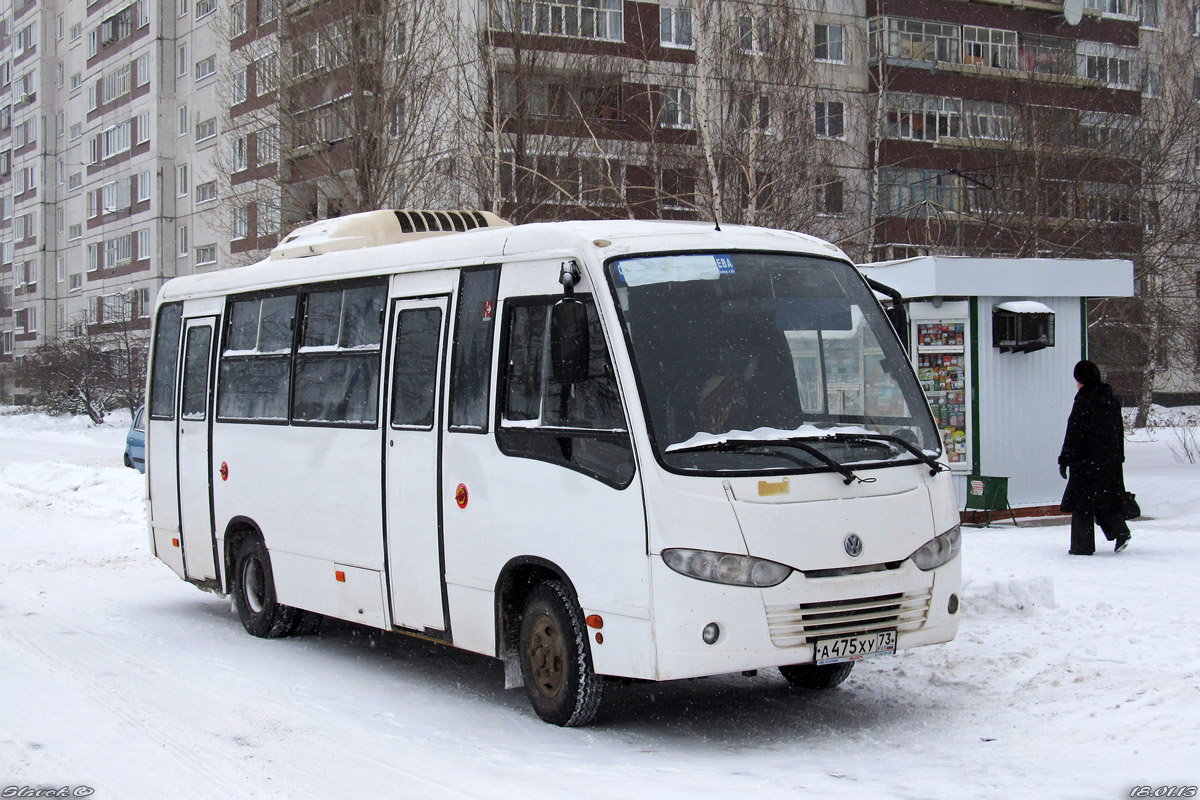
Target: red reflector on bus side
{"points": [[341, 576], [594, 621], [175, 543]]}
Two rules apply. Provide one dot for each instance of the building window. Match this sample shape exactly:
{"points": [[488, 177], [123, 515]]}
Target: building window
{"points": [[832, 196], [585, 19], [206, 129], [830, 121], [205, 7], [995, 121], [182, 115], [143, 244], [181, 180], [181, 240], [677, 109], [206, 192], [675, 27], [237, 18], [754, 111], [268, 145], [181, 61], [239, 87], [914, 40], [1115, 8], [264, 74], [143, 186], [828, 43], [923, 119], [206, 67], [206, 254], [917, 192], [1109, 64], [754, 35], [237, 153], [241, 222], [267, 10], [989, 47]]}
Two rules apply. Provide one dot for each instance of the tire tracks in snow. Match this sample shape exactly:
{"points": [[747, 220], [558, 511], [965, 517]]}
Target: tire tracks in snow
{"points": [[219, 744]]}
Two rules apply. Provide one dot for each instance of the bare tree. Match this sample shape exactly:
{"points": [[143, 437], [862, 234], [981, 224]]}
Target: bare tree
{"points": [[89, 373], [345, 109]]}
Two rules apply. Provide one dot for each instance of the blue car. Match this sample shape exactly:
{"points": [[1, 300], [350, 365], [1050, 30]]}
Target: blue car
{"points": [[135, 442]]}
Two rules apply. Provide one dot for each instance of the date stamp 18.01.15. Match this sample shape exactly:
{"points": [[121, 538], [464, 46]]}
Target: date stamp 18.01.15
{"points": [[1163, 791]]}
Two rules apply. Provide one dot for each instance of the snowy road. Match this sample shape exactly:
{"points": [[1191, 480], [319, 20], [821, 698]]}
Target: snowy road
{"points": [[1071, 677]]}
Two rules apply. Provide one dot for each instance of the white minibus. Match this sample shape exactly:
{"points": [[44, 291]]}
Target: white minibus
{"points": [[642, 450]]}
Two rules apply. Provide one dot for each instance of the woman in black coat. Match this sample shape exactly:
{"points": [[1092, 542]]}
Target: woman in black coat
{"points": [[1093, 451]]}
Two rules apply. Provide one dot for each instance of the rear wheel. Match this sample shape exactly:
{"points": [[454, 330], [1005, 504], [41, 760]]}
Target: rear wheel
{"points": [[556, 661], [817, 676], [254, 592]]}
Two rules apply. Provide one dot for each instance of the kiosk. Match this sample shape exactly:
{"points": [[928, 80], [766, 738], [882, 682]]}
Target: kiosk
{"points": [[994, 341]]}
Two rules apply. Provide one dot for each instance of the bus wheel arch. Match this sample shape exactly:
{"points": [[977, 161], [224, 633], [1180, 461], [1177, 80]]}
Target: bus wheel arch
{"points": [[520, 576], [251, 582]]}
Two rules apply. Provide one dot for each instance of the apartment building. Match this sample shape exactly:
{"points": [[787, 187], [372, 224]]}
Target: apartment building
{"points": [[140, 141]]}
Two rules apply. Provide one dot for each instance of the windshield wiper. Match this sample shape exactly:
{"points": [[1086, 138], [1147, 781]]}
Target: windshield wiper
{"points": [[934, 465], [771, 447]]}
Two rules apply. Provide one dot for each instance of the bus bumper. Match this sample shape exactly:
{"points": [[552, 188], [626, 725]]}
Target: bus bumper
{"points": [[778, 626]]}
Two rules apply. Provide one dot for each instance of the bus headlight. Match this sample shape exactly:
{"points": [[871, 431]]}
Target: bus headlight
{"points": [[726, 568], [939, 550]]}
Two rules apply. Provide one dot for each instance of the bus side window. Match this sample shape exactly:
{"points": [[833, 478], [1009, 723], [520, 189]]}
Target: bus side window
{"points": [[339, 357], [256, 359], [579, 425], [414, 373], [166, 361], [470, 375]]}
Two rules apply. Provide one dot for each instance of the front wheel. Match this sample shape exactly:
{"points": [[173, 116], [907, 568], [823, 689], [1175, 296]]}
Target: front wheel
{"points": [[817, 676], [555, 659], [253, 587]]}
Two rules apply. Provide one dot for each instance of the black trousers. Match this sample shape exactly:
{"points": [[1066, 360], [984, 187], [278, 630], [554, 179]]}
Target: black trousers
{"points": [[1083, 530]]}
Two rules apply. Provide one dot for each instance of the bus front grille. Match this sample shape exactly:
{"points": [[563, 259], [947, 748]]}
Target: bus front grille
{"points": [[799, 625]]}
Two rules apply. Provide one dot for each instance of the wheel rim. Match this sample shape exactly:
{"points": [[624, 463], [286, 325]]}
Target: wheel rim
{"points": [[546, 656], [254, 585]]}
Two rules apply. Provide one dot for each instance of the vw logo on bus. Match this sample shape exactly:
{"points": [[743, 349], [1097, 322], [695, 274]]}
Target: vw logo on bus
{"points": [[854, 545]]}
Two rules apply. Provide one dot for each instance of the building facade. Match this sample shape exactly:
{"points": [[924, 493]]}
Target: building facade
{"points": [[143, 140]]}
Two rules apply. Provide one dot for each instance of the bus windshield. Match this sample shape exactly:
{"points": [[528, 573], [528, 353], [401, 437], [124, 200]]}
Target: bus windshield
{"points": [[768, 362]]}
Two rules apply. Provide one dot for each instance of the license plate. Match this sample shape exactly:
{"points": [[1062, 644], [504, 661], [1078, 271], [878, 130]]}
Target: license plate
{"points": [[855, 648]]}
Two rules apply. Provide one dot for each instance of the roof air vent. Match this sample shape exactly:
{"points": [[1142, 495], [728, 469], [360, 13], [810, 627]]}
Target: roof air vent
{"points": [[375, 228]]}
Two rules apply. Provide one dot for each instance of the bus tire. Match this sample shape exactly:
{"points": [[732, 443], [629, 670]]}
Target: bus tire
{"points": [[261, 613], [817, 676], [556, 662]]}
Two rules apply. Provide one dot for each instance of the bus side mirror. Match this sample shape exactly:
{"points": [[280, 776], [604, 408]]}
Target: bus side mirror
{"points": [[569, 343]]}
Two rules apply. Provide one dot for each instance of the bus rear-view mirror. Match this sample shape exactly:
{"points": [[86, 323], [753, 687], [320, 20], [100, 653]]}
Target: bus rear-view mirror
{"points": [[569, 344]]}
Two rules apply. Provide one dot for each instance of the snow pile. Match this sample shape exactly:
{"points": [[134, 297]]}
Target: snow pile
{"points": [[115, 494], [1014, 596]]}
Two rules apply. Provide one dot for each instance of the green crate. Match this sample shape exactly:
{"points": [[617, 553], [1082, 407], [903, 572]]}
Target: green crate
{"points": [[988, 493]]}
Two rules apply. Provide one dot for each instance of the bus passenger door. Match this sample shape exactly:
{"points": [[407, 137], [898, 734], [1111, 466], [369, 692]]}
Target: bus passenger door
{"points": [[195, 462], [412, 465]]}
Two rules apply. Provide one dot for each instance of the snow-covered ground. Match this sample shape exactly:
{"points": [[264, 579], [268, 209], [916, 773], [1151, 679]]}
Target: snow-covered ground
{"points": [[1070, 678]]}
